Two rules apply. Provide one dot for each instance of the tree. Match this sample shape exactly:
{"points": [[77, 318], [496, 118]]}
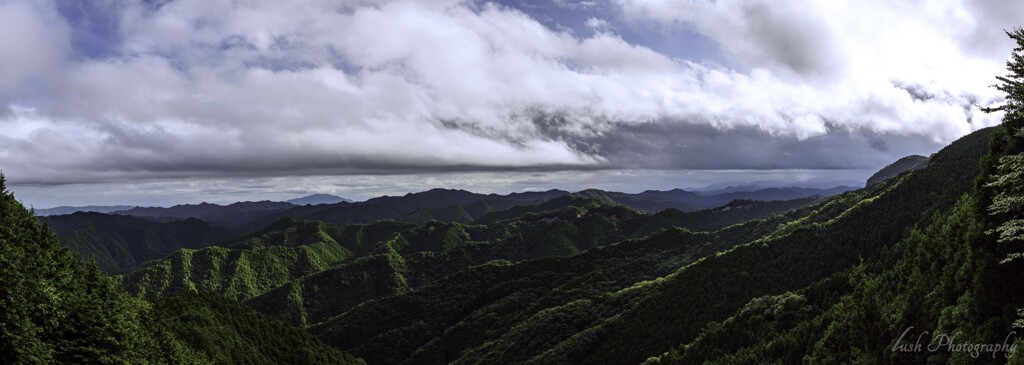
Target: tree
{"points": [[1013, 83], [1006, 185]]}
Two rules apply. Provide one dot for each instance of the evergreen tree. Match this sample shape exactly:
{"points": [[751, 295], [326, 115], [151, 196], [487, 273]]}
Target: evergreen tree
{"points": [[1006, 185]]}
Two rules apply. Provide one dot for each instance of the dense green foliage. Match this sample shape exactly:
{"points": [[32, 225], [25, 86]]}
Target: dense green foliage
{"points": [[434, 323], [222, 331], [908, 163], [394, 257], [591, 275], [119, 243], [287, 250], [55, 308]]}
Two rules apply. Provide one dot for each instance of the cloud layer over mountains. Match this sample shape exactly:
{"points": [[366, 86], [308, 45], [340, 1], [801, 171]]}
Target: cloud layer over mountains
{"points": [[117, 90]]}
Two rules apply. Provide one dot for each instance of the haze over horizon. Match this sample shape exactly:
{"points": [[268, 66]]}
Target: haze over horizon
{"points": [[160, 103], [361, 187]]}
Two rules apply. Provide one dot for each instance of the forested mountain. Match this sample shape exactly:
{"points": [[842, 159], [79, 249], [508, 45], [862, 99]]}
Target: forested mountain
{"points": [[119, 243], [291, 249], [445, 205], [216, 330], [435, 204], [655, 201], [566, 233], [55, 308], [734, 212], [287, 250], [908, 163], [231, 215], [542, 311], [718, 199]]}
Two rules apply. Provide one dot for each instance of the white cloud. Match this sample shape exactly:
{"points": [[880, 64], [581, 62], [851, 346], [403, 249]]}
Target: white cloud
{"points": [[856, 55], [596, 24], [33, 46], [219, 87]]}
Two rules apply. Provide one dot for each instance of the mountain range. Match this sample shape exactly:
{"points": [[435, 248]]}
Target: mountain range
{"points": [[184, 210], [449, 276], [125, 239]]}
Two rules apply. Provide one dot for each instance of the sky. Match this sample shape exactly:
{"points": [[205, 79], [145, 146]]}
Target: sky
{"points": [[159, 102]]}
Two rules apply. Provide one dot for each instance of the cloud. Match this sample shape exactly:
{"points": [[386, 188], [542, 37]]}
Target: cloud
{"points": [[576, 4], [686, 146], [33, 48], [596, 24], [859, 50], [259, 87]]}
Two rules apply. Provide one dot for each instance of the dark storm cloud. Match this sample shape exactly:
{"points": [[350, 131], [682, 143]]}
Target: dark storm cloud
{"points": [[700, 146]]}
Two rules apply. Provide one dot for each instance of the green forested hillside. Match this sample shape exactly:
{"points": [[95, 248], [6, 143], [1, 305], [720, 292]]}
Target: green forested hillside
{"points": [[222, 331], [286, 250], [57, 309], [398, 256], [593, 274], [434, 323], [119, 243], [470, 316], [908, 163]]}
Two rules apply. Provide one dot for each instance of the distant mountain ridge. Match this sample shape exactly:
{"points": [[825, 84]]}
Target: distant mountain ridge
{"points": [[126, 239], [448, 205], [62, 210], [228, 215], [654, 201], [317, 199]]}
